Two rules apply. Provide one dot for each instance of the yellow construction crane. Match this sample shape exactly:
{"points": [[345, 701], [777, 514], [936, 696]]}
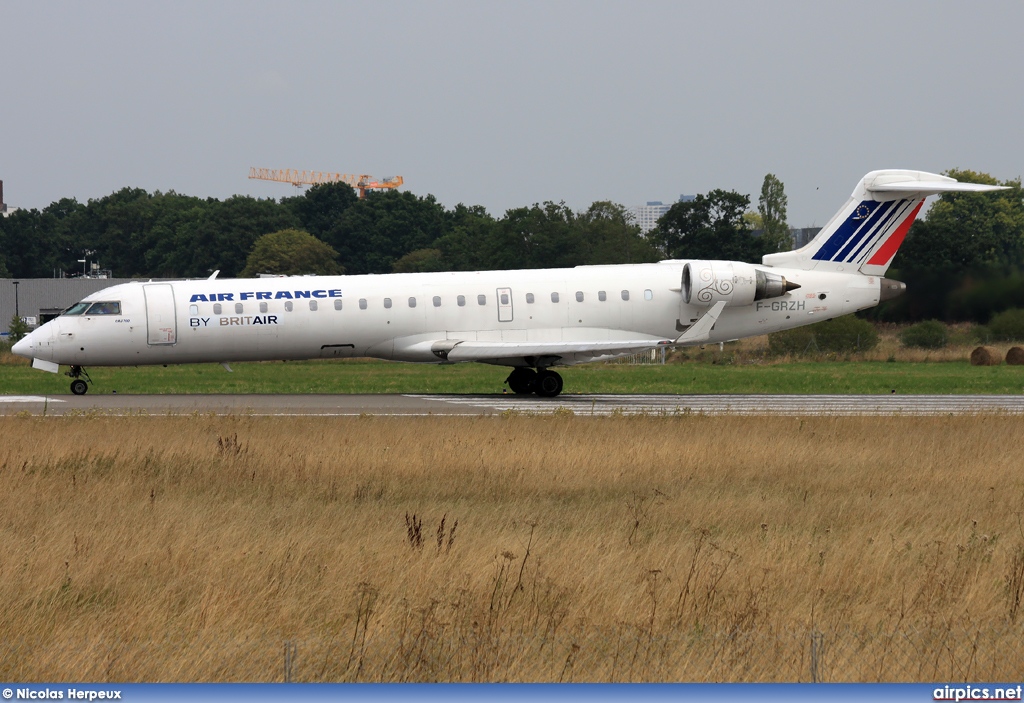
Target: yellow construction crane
{"points": [[305, 178]]}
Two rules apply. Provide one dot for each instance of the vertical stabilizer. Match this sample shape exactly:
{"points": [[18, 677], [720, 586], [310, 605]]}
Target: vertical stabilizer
{"points": [[868, 230]]}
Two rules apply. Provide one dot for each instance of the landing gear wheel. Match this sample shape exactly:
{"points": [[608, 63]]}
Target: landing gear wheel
{"points": [[78, 386], [522, 380], [549, 384]]}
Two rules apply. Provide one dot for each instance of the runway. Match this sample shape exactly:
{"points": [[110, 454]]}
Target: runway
{"points": [[476, 405]]}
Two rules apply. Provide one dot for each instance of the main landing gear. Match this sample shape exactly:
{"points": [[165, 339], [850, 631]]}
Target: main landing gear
{"points": [[545, 382], [78, 386]]}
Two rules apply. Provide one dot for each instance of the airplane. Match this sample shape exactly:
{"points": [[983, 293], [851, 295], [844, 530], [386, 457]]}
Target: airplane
{"points": [[530, 320]]}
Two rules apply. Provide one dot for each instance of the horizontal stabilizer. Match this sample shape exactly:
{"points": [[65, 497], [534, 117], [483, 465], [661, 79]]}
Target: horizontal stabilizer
{"points": [[934, 187]]}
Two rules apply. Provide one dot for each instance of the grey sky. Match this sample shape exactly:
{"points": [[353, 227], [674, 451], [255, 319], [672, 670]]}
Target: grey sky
{"points": [[506, 104]]}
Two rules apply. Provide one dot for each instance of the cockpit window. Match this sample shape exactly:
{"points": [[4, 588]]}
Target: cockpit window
{"points": [[105, 308], [76, 309]]}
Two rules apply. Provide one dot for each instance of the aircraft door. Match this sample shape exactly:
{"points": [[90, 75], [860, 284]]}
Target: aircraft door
{"points": [[504, 298], [161, 318]]}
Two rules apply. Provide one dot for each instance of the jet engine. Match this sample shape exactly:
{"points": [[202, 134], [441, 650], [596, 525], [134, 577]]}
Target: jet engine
{"points": [[708, 282]]}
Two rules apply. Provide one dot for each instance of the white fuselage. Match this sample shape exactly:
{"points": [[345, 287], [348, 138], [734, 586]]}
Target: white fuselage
{"points": [[405, 316]]}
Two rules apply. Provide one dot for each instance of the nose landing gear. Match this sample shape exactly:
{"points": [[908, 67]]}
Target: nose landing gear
{"points": [[78, 386]]}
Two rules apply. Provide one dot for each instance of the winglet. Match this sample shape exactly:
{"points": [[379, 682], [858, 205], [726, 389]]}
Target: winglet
{"points": [[700, 331]]}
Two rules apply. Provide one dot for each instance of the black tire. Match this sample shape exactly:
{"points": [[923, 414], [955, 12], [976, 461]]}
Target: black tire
{"points": [[522, 380], [79, 387], [549, 384]]}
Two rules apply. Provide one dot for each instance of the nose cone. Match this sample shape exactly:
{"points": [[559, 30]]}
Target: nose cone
{"points": [[24, 347]]}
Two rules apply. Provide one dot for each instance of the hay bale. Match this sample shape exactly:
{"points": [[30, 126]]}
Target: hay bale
{"points": [[1015, 357], [985, 356]]}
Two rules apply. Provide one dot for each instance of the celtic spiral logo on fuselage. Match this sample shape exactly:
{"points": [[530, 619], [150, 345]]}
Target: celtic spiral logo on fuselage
{"points": [[721, 286]]}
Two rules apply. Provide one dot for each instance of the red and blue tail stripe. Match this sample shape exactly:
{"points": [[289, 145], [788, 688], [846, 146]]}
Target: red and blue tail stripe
{"points": [[869, 224], [883, 255]]}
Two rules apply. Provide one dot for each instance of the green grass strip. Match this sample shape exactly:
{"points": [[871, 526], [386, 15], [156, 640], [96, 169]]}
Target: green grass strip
{"points": [[360, 376]]}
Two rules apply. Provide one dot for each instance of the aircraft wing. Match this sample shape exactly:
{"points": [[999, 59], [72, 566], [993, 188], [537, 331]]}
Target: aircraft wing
{"points": [[566, 351], [579, 351]]}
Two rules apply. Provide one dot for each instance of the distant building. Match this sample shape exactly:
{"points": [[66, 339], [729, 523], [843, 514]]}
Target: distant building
{"points": [[803, 235], [4, 210], [799, 236], [647, 216]]}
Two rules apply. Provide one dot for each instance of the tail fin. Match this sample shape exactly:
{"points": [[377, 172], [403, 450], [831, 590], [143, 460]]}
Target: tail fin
{"points": [[865, 234]]}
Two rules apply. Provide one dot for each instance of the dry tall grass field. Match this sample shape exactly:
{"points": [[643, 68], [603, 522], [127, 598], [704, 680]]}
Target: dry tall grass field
{"points": [[511, 549]]}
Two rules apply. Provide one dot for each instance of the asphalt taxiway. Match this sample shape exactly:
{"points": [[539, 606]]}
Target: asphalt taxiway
{"points": [[594, 404]]}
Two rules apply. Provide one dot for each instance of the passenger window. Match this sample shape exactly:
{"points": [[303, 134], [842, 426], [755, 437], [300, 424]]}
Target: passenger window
{"points": [[554, 297], [648, 294], [481, 299], [437, 301], [602, 296], [312, 305], [337, 303], [238, 308], [412, 302], [461, 300], [362, 303], [529, 298], [263, 306], [289, 306], [504, 298], [579, 296], [193, 310], [387, 302], [625, 295], [105, 308], [217, 309]]}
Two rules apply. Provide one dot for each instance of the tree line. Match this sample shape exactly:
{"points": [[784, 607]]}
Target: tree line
{"points": [[135, 233], [963, 261]]}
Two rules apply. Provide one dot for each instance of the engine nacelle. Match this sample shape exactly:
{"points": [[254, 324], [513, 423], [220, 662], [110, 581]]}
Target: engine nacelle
{"points": [[708, 282]]}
